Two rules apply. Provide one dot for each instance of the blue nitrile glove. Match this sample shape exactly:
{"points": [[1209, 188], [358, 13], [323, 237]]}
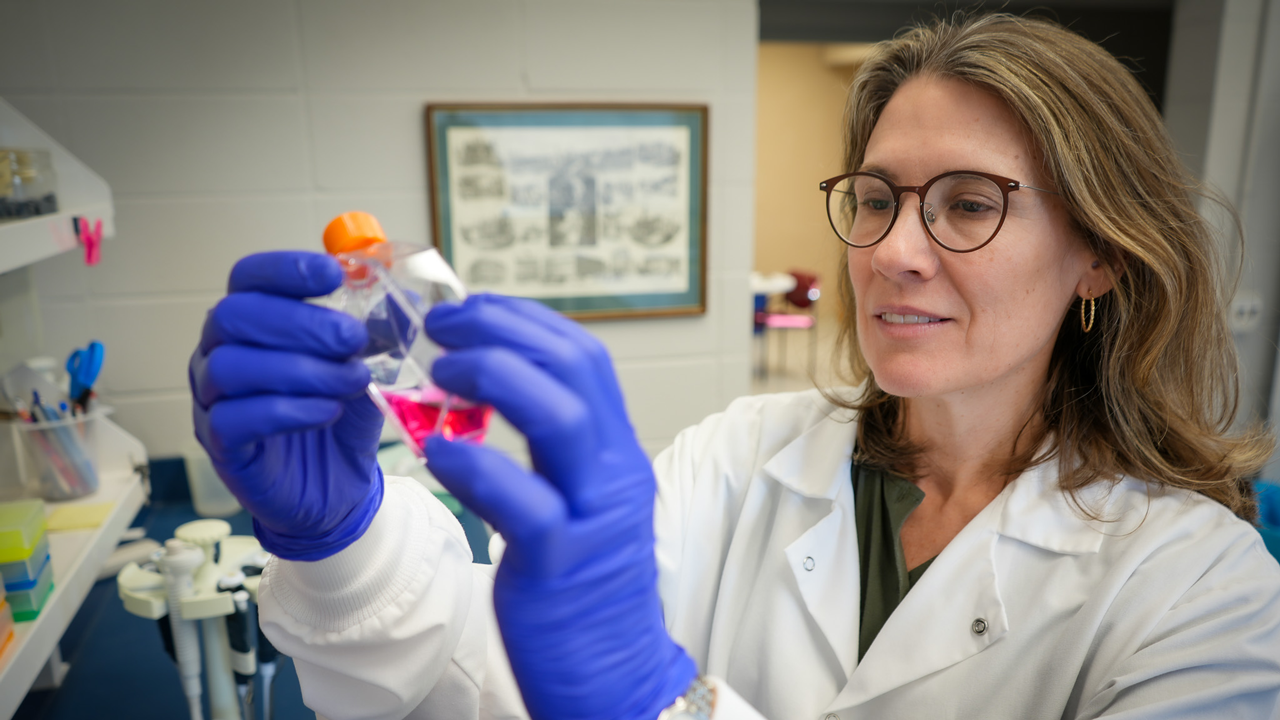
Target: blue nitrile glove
{"points": [[576, 593], [280, 406]]}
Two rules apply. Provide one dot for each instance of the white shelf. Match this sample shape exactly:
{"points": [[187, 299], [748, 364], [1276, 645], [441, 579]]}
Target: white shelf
{"points": [[77, 556], [81, 193]]}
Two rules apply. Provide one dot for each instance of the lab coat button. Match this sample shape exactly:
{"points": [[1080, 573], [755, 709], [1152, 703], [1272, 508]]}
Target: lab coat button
{"points": [[979, 627], [808, 563], [831, 716]]}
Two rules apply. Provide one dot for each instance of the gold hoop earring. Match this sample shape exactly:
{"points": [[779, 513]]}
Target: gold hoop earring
{"points": [[1093, 309]]}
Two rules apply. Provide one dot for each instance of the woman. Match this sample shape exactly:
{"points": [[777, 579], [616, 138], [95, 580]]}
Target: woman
{"points": [[1030, 508]]}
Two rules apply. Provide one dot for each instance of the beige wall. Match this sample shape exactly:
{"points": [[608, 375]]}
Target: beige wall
{"points": [[799, 110]]}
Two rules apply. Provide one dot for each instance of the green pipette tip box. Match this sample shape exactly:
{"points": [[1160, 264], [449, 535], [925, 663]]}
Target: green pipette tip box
{"points": [[30, 607], [21, 525]]}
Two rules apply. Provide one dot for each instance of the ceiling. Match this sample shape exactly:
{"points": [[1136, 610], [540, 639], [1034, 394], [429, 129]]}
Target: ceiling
{"points": [[1136, 31], [873, 20]]}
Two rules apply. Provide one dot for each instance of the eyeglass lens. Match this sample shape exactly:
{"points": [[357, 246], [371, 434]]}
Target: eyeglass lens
{"points": [[961, 211]]}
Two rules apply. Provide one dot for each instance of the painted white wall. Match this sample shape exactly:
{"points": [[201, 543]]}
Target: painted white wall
{"points": [[1261, 213], [1223, 111], [244, 125], [1193, 62]]}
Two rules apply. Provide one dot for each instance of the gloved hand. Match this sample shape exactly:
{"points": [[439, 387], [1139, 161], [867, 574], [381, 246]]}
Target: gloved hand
{"points": [[280, 406], [576, 592]]}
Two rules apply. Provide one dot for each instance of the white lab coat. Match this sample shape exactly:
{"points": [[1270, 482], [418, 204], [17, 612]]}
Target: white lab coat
{"points": [[1169, 610]]}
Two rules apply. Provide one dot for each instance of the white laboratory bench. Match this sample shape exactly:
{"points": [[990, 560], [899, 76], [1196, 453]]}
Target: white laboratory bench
{"points": [[77, 556]]}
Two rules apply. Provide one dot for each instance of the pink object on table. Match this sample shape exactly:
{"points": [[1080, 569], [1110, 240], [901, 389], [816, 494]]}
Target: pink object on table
{"points": [[788, 321], [90, 238], [800, 291]]}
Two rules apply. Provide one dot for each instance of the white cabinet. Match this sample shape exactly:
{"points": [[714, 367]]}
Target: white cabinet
{"points": [[81, 193]]}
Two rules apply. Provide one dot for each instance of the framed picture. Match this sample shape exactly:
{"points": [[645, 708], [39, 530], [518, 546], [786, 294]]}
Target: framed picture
{"points": [[598, 211]]}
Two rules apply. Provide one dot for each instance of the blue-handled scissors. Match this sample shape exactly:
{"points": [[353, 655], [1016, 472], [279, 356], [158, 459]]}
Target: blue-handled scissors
{"points": [[83, 366]]}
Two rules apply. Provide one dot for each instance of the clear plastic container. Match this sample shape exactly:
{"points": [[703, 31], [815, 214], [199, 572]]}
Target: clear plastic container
{"points": [[33, 176], [55, 460], [390, 286], [28, 185], [22, 526], [209, 494], [27, 604], [22, 574], [14, 484]]}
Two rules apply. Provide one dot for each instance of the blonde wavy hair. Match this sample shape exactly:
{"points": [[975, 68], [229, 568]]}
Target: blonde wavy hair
{"points": [[1152, 391]]}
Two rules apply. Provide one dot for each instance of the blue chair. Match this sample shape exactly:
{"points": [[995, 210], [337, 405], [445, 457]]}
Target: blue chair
{"points": [[1269, 515]]}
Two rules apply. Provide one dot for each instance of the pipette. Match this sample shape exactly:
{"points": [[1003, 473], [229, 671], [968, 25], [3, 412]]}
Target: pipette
{"points": [[242, 661], [178, 565], [267, 655]]}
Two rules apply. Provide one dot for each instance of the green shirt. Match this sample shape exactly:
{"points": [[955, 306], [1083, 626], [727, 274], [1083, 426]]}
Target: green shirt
{"points": [[882, 502]]}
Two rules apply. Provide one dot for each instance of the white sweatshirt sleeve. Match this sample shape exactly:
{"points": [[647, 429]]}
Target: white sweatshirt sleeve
{"points": [[398, 624]]}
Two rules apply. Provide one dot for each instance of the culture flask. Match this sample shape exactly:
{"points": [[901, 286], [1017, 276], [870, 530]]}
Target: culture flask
{"points": [[390, 287]]}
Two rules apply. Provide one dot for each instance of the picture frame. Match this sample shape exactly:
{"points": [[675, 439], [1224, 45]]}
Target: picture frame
{"points": [[598, 211]]}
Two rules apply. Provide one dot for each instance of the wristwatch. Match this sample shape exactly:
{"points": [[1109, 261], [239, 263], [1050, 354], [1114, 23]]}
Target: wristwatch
{"points": [[697, 703]]}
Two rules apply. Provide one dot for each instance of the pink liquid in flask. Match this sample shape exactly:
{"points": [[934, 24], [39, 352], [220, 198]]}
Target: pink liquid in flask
{"points": [[419, 412]]}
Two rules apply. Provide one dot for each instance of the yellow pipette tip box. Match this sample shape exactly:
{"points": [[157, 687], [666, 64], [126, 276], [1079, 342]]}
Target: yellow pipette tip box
{"points": [[79, 517], [21, 525]]}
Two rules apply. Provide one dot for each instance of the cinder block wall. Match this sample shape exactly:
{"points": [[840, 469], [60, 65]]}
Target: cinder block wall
{"points": [[244, 125]]}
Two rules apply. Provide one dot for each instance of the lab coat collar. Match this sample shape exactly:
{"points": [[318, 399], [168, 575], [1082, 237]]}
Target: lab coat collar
{"points": [[1039, 513], [815, 464]]}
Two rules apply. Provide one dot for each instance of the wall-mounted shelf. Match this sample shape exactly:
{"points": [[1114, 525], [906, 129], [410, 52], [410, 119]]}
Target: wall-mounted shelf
{"points": [[81, 193], [77, 556]]}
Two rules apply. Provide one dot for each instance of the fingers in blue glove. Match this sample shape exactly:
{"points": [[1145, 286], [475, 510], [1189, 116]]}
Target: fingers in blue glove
{"points": [[278, 405], [253, 318], [519, 504], [549, 340], [582, 583], [294, 274], [525, 326], [533, 310], [232, 371], [562, 433], [234, 426]]}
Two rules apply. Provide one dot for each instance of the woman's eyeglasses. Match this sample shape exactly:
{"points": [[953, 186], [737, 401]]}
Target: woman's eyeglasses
{"points": [[962, 210]]}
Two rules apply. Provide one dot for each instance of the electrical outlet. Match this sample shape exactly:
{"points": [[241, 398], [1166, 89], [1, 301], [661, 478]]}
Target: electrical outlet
{"points": [[1246, 312]]}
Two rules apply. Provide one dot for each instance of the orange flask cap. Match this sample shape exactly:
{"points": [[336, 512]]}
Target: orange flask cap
{"points": [[352, 231]]}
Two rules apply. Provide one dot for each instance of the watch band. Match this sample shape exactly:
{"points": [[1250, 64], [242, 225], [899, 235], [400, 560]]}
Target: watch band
{"points": [[697, 703]]}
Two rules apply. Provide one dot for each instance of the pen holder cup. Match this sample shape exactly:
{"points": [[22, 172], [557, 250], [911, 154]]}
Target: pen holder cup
{"points": [[52, 460]]}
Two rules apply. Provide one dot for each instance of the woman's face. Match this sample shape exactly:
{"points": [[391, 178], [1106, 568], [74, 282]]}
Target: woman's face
{"points": [[993, 314]]}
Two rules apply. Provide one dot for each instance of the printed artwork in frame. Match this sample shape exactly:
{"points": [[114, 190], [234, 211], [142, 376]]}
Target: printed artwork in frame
{"points": [[597, 211]]}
